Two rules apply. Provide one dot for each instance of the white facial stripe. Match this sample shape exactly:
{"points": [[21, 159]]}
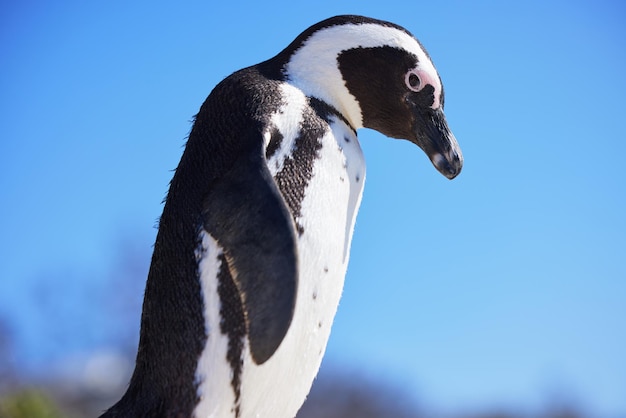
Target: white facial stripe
{"points": [[313, 68]]}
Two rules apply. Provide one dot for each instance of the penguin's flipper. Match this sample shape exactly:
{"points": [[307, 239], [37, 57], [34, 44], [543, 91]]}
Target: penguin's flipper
{"points": [[248, 217]]}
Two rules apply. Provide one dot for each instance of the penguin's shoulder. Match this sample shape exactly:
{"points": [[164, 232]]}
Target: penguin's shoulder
{"points": [[245, 94], [242, 208], [230, 123]]}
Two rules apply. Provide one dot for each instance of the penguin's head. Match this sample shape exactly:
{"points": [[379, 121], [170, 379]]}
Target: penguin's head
{"points": [[378, 76]]}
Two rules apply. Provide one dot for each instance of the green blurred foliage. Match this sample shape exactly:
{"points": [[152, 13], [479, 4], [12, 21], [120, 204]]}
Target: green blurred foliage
{"points": [[29, 403]]}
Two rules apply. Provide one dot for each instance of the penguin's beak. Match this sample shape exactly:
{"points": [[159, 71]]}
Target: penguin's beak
{"points": [[438, 142]]}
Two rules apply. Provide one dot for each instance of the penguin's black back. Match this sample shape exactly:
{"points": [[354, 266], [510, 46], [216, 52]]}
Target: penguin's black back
{"points": [[173, 333]]}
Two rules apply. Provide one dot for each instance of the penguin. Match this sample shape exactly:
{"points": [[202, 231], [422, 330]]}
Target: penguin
{"points": [[254, 239]]}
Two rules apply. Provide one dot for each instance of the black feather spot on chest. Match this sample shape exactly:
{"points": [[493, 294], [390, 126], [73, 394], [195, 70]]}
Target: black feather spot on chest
{"points": [[297, 170]]}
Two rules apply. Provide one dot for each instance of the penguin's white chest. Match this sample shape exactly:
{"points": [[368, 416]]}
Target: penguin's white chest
{"points": [[326, 212]]}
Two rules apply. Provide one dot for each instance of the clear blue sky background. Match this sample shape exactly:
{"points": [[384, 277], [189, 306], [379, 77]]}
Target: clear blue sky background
{"points": [[504, 287]]}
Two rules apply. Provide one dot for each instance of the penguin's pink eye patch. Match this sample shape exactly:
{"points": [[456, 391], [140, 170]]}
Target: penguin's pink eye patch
{"points": [[413, 81], [416, 79]]}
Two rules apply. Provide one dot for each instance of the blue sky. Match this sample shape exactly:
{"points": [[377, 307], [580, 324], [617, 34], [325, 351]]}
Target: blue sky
{"points": [[505, 287]]}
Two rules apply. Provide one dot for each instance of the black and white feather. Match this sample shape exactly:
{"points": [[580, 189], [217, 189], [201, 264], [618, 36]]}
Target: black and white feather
{"points": [[253, 244]]}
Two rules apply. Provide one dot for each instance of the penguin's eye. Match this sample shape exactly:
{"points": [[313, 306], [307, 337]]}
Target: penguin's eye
{"points": [[413, 81]]}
